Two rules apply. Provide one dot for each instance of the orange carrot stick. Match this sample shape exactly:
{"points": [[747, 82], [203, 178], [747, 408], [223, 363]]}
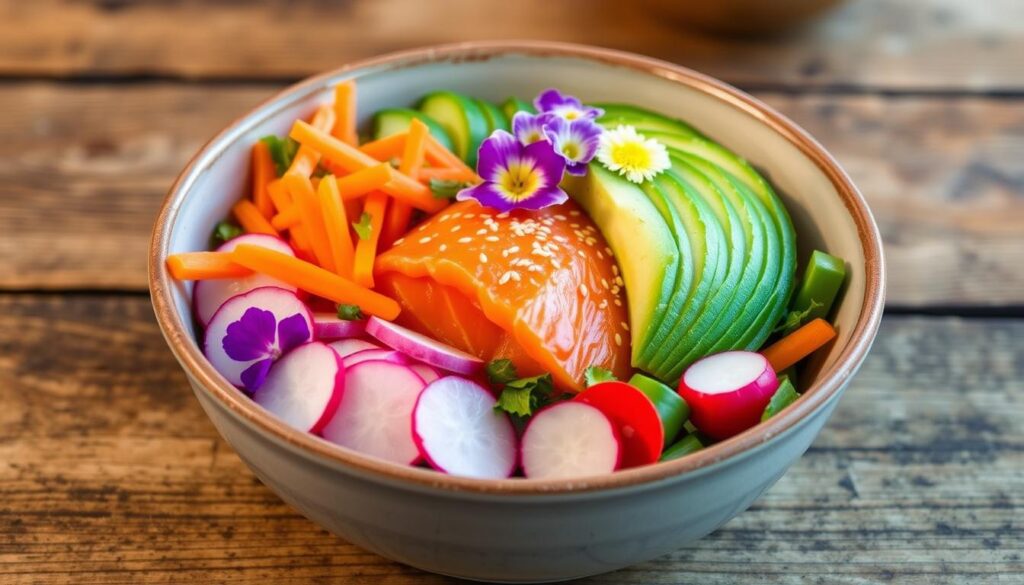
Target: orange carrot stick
{"points": [[252, 221], [798, 344], [447, 174], [312, 222], [283, 201], [287, 219], [349, 158], [439, 156], [366, 250], [279, 196], [386, 148], [397, 219], [313, 279], [336, 223], [365, 180], [204, 265], [306, 158], [345, 109], [262, 174]]}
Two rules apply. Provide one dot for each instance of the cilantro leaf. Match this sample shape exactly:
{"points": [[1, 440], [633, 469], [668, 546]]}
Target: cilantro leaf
{"points": [[282, 151], [515, 401], [501, 371], [444, 189], [524, 396], [224, 231], [596, 374], [350, 312], [363, 227], [794, 319]]}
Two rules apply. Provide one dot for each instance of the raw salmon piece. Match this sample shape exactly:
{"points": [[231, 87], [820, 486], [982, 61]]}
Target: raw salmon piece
{"points": [[538, 287]]}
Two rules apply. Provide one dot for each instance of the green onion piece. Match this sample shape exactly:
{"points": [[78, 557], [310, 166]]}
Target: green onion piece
{"points": [[672, 408], [688, 444], [783, 397], [820, 285]]}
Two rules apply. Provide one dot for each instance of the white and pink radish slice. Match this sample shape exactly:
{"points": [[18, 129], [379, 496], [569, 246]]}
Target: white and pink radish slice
{"points": [[727, 392], [458, 431], [426, 372], [305, 387], [376, 411], [570, 439], [328, 326], [382, 355], [250, 331], [209, 295], [423, 348], [347, 347]]}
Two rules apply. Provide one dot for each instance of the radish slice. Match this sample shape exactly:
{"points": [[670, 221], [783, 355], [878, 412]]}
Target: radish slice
{"points": [[426, 372], [570, 439], [423, 348], [209, 295], [727, 392], [250, 331], [634, 416], [459, 432], [347, 347], [375, 413], [385, 355], [305, 387], [329, 326]]}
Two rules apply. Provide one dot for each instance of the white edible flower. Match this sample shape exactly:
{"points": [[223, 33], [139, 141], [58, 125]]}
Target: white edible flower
{"points": [[627, 152]]}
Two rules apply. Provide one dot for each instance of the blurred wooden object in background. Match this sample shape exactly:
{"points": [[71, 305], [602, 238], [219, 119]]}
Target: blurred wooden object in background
{"points": [[743, 17]]}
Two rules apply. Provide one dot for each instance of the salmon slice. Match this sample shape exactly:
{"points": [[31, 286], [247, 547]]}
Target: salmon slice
{"points": [[538, 287]]}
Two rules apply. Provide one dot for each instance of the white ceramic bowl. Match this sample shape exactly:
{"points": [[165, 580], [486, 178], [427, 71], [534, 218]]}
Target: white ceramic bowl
{"points": [[519, 530]]}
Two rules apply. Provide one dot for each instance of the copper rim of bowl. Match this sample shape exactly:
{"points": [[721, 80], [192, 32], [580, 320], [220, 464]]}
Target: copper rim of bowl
{"points": [[829, 382]]}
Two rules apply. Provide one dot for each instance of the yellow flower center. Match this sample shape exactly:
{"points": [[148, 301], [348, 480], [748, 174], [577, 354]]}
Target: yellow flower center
{"points": [[572, 115], [519, 181], [571, 150], [631, 155]]}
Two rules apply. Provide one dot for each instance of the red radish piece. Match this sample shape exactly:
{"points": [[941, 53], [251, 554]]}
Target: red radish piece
{"points": [[250, 331], [385, 355], [327, 326], [634, 416], [209, 295], [458, 431], [570, 439], [426, 372], [305, 387], [727, 392], [347, 347], [376, 410], [423, 348]]}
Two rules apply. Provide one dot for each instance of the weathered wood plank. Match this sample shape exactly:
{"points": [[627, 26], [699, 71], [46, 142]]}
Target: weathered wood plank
{"points": [[905, 44], [109, 472], [83, 171]]}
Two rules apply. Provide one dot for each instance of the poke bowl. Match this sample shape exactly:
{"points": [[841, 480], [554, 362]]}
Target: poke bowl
{"points": [[519, 311]]}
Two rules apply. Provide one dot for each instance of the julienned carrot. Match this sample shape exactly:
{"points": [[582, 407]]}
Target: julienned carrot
{"points": [[366, 250], [345, 108], [279, 196], [306, 158], [385, 148], [313, 279], [287, 219], [447, 174], [351, 159], [204, 265], [251, 220], [799, 344], [312, 221], [439, 156], [283, 201], [365, 180], [336, 223], [441, 159], [396, 221], [262, 174]]}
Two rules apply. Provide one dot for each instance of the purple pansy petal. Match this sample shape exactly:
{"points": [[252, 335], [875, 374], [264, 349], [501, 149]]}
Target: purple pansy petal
{"points": [[544, 198], [488, 195], [546, 161], [529, 128], [549, 99], [494, 153], [251, 337], [578, 169], [253, 376], [292, 332], [575, 141]]}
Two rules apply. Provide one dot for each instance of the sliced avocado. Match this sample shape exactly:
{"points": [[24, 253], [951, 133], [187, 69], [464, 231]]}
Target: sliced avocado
{"points": [[643, 120], [394, 120], [496, 119], [461, 118], [513, 105], [644, 247]]}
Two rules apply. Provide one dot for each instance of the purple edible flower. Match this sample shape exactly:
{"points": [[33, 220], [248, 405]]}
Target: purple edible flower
{"points": [[258, 336], [564, 106], [575, 141], [517, 176], [529, 128]]}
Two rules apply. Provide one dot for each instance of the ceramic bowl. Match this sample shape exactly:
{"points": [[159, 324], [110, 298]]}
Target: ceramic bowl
{"points": [[519, 530]]}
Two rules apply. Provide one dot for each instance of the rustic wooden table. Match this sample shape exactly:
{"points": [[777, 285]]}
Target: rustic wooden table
{"points": [[109, 471]]}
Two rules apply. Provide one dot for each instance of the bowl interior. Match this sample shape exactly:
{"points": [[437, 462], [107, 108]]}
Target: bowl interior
{"points": [[820, 214]]}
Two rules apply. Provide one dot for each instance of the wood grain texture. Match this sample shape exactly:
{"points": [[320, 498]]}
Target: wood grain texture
{"points": [[110, 473], [83, 171], [904, 44]]}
